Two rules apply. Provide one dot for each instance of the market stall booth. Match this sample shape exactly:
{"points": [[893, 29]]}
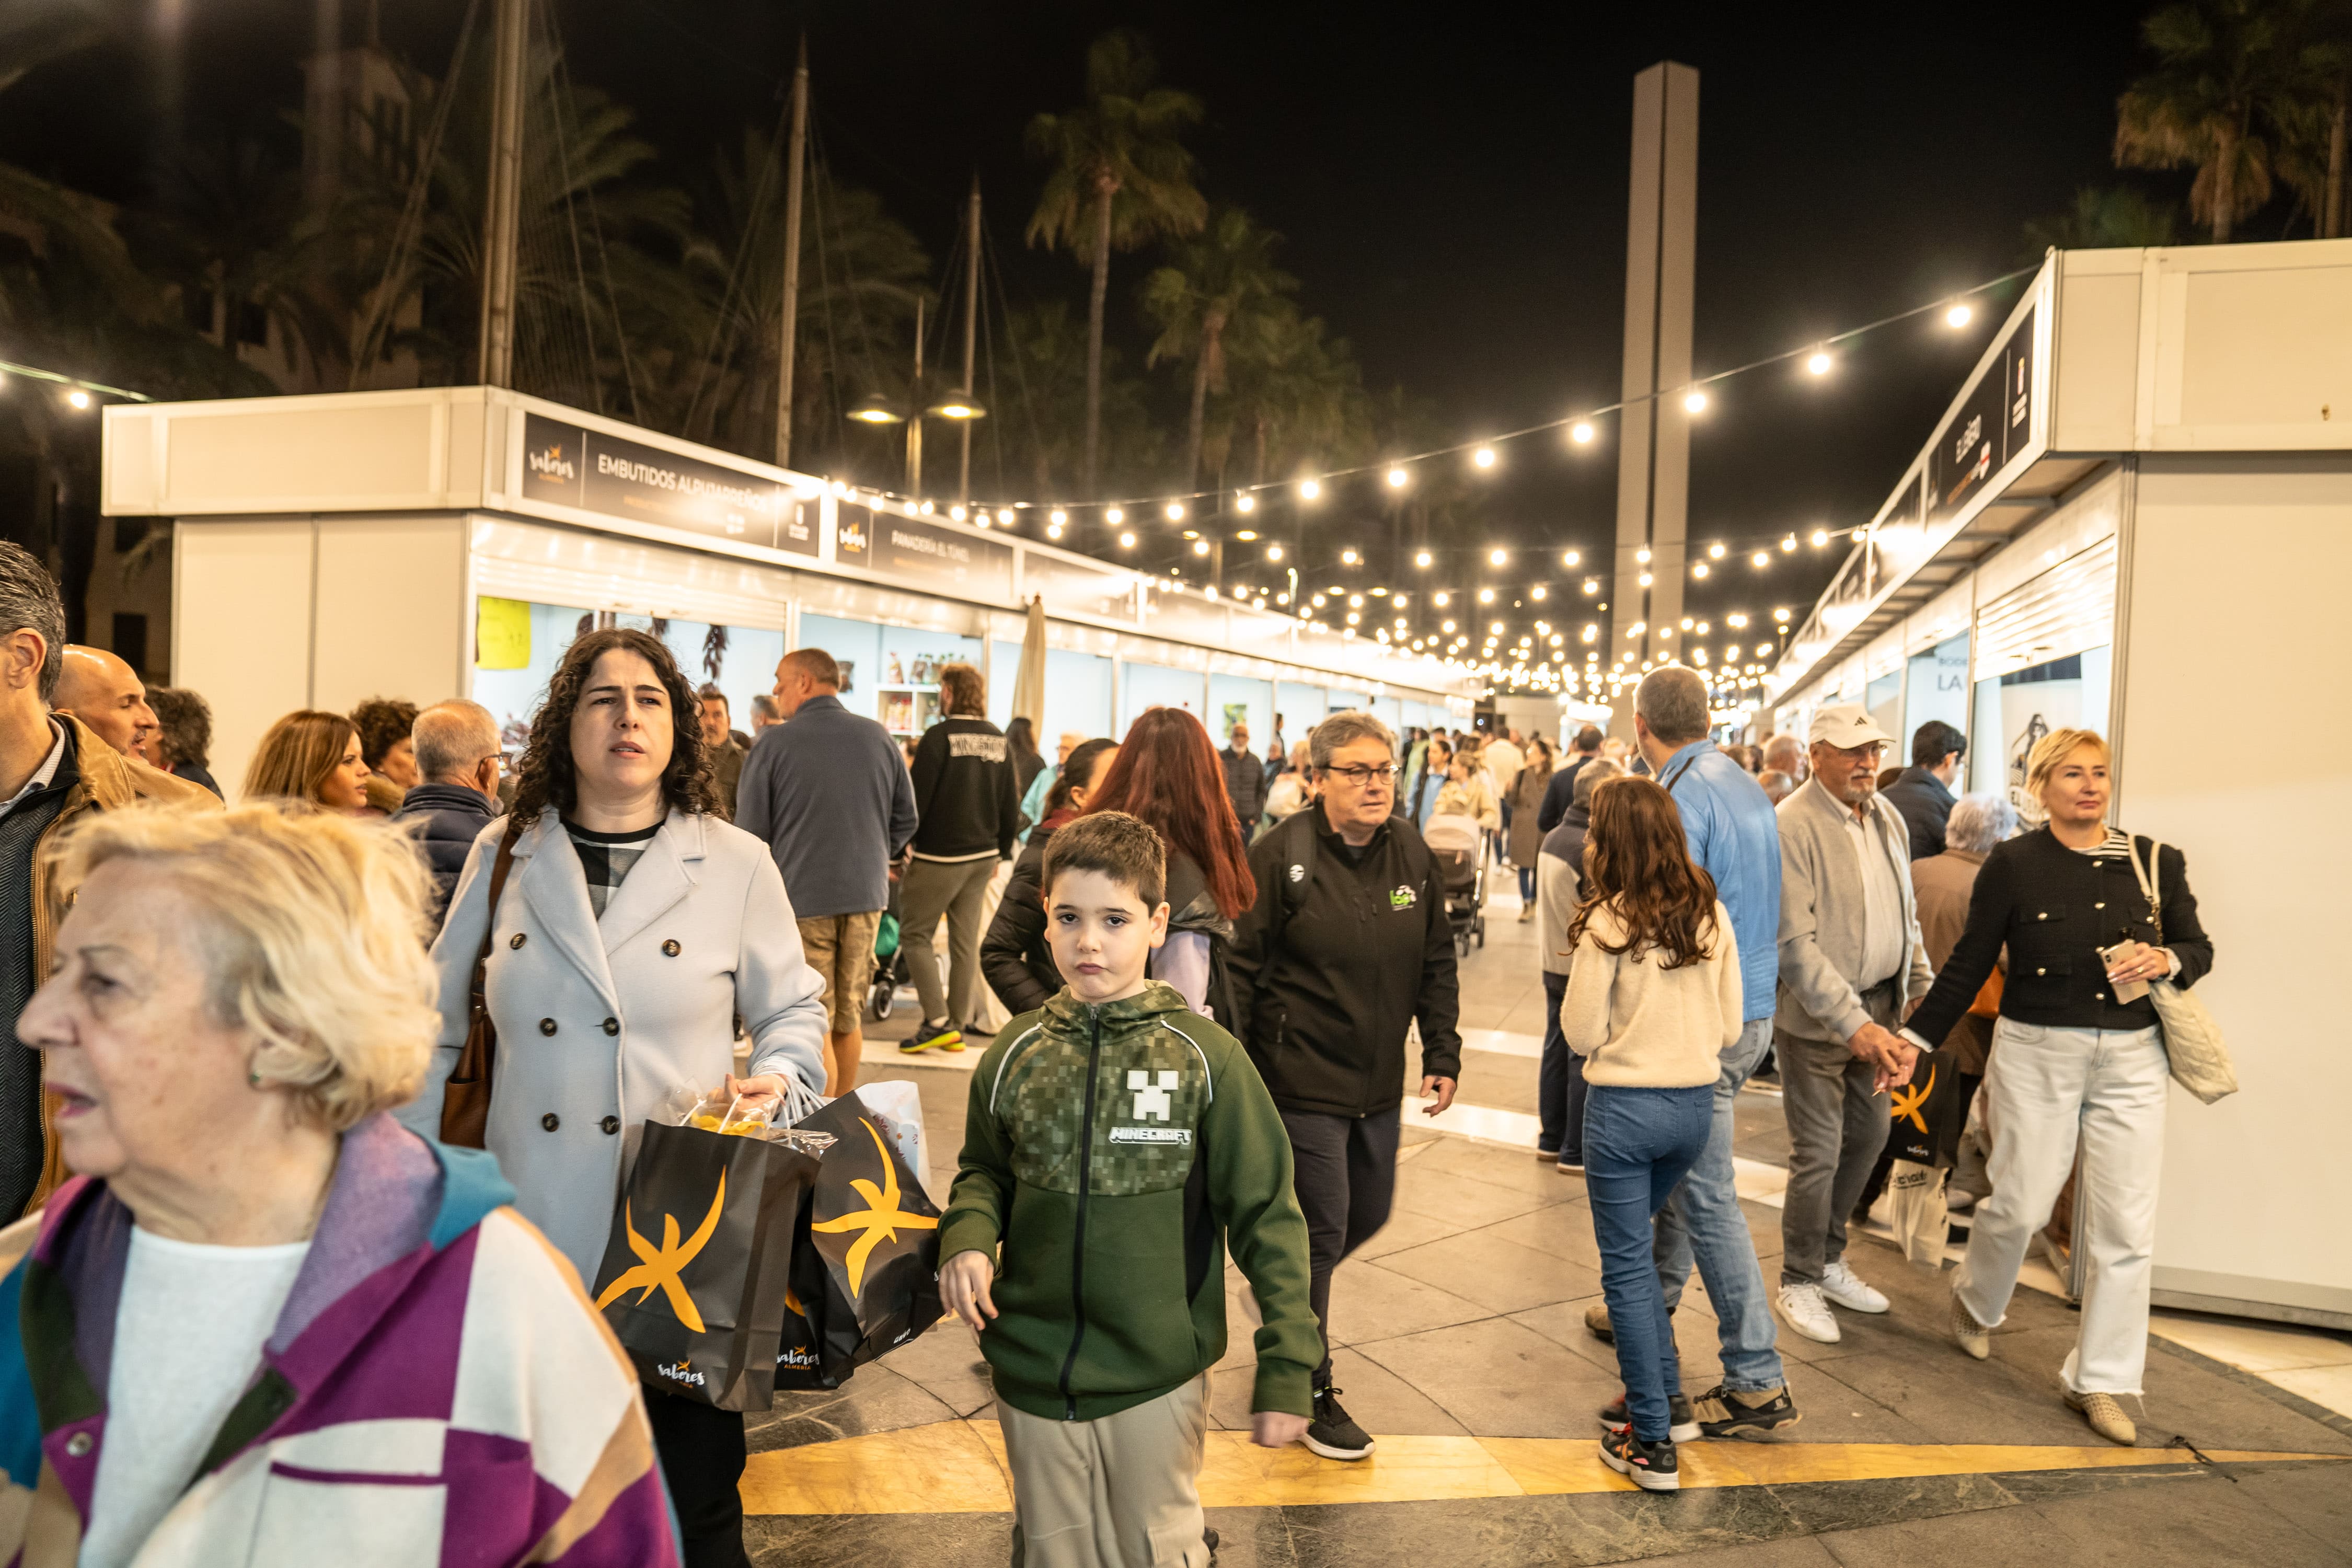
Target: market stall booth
{"points": [[2137, 517], [455, 541]]}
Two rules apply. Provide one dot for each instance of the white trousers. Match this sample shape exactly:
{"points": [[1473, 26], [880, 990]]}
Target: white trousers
{"points": [[2048, 1087]]}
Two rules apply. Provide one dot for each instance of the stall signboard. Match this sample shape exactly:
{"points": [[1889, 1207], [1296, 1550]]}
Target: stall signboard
{"points": [[1992, 424], [588, 471], [919, 552]]}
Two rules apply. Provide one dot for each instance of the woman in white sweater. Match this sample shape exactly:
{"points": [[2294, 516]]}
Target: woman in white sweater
{"points": [[1654, 998]]}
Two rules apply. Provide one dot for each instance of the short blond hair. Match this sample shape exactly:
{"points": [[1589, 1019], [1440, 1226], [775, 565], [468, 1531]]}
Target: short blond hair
{"points": [[313, 938], [2054, 748]]}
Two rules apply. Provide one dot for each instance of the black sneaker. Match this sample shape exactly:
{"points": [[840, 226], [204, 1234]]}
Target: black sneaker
{"points": [[1684, 1429], [1722, 1414], [1652, 1465], [942, 1034], [1209, 1540], [1331, 1433]]}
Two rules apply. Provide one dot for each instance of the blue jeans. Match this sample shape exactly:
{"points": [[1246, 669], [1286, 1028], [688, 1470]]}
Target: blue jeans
{"points": [[1638, 1145], [1702, 1217], [1527, 885], [1559, 1084]]}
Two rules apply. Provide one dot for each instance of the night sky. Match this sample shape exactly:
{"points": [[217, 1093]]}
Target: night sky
{"points": [[1452, 182]]}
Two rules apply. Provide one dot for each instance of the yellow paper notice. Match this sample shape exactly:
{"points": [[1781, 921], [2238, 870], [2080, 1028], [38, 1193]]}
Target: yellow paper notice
{"points": [[501, 634]]}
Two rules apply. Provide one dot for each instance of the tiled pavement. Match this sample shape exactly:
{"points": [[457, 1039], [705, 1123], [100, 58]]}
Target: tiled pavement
{"points": [[1459, 1340]]}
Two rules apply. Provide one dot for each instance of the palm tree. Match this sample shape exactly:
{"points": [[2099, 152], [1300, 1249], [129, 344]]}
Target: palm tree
{"points": [[2217, 62], [1227, 272], [2117, 217], [1120, 179], [1042, 428], [1297, 392], [2312, 109]]}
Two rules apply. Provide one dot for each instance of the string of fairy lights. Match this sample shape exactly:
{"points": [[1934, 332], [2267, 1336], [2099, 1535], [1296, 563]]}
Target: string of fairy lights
{"points": [[1542, 655]]}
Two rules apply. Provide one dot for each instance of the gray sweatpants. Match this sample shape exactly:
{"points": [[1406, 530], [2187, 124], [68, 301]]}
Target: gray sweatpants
{"points": [[1836, 1128]]}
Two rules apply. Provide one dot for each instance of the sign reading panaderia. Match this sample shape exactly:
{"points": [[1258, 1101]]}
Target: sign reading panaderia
{"points": [[568, 466], [923, 553]]}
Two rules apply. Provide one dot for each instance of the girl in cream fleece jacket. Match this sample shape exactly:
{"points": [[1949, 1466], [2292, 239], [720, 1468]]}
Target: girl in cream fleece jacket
{"points": [[1638, 1025], [1654, 995]]}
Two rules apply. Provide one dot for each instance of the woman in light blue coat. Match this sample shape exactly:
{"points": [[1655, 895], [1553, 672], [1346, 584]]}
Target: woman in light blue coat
{"points": [[635, 927]]}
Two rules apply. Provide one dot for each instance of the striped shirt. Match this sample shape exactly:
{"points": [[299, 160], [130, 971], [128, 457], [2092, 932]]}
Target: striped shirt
{"points": [[2115, 845], [606, 858]]}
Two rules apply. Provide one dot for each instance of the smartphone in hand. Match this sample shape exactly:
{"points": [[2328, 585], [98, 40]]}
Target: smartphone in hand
{"points": [[2124, 991]]}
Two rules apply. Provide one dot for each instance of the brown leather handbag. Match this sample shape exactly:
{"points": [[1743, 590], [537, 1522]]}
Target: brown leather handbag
{"points": [[465, 1097]]}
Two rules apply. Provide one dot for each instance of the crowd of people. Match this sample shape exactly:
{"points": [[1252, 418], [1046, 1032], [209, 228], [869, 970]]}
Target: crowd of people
{"points": [[1205, 977]]}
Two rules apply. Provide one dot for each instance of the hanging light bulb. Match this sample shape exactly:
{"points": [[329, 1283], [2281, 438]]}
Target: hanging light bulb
{"points": [[956, 513], [1421, 558], [1115, 516], [1714, 552], [1483, 456], [1762, 558], [1485, 596], [1821, 537], [1644, 579], [1538, 591], [1958, 316], [1052, 530], [1127, 541], [1199, 547], [1444, 599], [1348, 557], [1245, 502], [1698, 568], [1057, 517], [1695, 401], [1175, 511], [1396, 479], [1273, 553], [1310, 488], [1498, 557], [1593, 584], [1579, 433], [1819, 361], [1641, 556]]}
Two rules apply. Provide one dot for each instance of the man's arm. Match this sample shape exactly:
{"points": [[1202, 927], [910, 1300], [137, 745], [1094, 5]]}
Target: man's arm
{"points": [[904, 818], [1008, 807], [754, 811]]}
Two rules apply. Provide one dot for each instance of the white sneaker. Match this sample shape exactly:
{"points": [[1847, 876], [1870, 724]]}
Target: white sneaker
{"points": [[1802, 1308], [1841, 1285]]}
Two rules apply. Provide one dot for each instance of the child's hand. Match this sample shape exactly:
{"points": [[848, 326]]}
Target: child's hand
{"points": [[1277, 1429], [963, 1290]]}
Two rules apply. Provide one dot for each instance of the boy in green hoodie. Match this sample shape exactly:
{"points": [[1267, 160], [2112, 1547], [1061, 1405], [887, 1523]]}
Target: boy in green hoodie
{"points": [[1116, 1144]]}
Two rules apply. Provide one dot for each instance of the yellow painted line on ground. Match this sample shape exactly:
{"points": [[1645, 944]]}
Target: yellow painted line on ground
{"points": [[958, 1467]]}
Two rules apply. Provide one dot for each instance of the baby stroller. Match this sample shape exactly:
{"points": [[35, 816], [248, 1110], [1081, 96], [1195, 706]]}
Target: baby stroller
{"points": [[1460, 850], [890, 970]]}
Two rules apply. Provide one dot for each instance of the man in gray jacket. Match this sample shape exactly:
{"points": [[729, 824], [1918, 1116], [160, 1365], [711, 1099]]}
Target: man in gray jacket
{"points": [[1851, 966]]}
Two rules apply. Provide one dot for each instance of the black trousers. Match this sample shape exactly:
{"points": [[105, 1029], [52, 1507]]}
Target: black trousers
{"points": [[701, 1452], [1344, 1175]]}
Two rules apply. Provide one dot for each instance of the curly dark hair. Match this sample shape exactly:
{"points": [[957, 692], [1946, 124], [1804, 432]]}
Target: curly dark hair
{"points": [[383, 723], [546, 777]]}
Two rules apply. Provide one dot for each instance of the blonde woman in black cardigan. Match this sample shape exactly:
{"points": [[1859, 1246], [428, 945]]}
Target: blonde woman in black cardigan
{"points": [[2076, 1055]]}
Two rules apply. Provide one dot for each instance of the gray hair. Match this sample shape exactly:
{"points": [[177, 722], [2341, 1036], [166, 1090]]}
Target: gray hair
{"points": [[451, 737], [1591, 776], [1777, 784], [1674, 699], [1344, 729], [764, 707], [29, 603], [1979, 821]]}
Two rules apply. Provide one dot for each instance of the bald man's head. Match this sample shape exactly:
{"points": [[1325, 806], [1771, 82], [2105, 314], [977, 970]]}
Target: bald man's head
{"points": [[106, 694]]}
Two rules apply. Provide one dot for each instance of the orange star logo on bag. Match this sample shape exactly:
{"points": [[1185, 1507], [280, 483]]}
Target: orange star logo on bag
{"points": [[1907, 1101], [660, 1266], [880, 1219]]}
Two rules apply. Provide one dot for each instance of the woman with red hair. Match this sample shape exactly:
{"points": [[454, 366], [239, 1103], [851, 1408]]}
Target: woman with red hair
{"points": [[1167, 775]]}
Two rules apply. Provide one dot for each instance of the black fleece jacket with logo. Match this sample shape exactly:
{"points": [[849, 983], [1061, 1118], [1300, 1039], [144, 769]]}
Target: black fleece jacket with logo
{"points": [[1324, 994]]}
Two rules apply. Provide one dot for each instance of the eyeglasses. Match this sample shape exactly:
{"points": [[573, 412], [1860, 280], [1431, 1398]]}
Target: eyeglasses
{"points": [[1361, 776]]}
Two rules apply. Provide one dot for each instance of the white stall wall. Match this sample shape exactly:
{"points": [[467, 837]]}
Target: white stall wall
{"points": [[277, 614], [2229, 750]]}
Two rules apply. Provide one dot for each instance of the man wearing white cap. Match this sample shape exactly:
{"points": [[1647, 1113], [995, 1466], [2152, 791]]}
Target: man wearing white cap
{"points": [[1851, 965]]}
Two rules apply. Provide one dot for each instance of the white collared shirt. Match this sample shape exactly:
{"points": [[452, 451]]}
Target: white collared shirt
{"points": [[1882, 900], [42, 775]]}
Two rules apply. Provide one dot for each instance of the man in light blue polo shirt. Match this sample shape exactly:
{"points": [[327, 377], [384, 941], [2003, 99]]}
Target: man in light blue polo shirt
{"points": [[1736, 838]]}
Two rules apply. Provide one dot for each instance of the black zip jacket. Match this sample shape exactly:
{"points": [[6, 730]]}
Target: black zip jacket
{"points": [[965, 802], [1019, 965], [2055, 908], [1014, 957], [1328, 976]]}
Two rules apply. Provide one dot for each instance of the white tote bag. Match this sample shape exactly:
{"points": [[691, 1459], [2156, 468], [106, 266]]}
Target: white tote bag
{"points": [[2199, 1058]]}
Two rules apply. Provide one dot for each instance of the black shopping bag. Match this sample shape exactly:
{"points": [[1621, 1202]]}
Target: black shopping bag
{"points": [[1928, 1113], [696, 1275], [865, 1274]]}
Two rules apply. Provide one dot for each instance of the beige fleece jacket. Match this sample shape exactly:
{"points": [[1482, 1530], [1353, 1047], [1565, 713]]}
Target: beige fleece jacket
{"points": [[1639, 1024]]}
